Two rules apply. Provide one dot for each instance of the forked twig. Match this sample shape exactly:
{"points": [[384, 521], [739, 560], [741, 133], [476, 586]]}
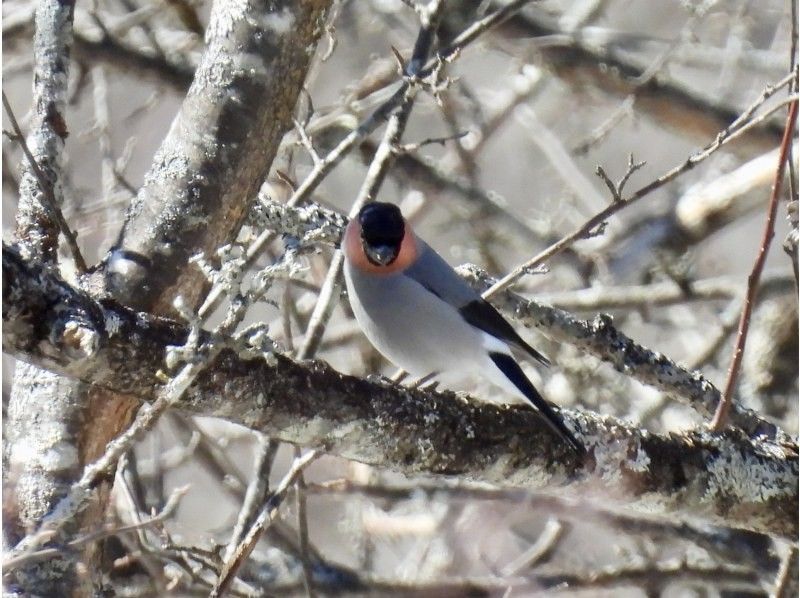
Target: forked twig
{"points": [[264, 520], [618, 188]]}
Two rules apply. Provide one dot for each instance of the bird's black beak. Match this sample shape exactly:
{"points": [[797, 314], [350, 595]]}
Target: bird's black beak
{"points": [[381, 255]]}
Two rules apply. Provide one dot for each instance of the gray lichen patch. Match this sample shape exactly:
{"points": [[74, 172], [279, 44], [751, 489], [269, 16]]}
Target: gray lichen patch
{"points": [[728, 479]]}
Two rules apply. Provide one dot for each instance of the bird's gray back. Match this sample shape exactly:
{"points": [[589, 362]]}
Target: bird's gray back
{"points": [[435, 274]]}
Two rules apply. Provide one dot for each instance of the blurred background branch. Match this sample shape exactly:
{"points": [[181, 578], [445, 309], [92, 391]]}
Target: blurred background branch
{"points": [[203, 155]]}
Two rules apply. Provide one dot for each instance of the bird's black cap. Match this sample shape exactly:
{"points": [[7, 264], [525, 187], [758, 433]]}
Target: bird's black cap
{"points": [[382, 224]]}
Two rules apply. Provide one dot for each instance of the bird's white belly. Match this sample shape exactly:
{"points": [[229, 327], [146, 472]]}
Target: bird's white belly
{"points": [[413, 328]]}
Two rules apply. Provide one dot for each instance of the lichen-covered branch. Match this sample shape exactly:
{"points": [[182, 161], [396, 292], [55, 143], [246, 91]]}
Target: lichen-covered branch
{"points": [[599, 337], [37, 222], [42, 423], [218, 150], [727, 478]]}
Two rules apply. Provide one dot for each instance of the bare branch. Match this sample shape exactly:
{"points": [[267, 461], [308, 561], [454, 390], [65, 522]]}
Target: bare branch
{"points": [[46, 187], [40, 459], [263, 521], [786, 581], [257, 492], [733, 131], [726, 478], [39, 214], [660, 293], [247, 76], [724, 407], [27, 558], [617, 189]]}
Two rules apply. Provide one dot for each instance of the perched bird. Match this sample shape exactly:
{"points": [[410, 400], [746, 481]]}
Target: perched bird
{"points": [[424, 318]]}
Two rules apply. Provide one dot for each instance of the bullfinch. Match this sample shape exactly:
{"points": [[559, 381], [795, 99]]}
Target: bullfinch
{"points": [[421, 316]]}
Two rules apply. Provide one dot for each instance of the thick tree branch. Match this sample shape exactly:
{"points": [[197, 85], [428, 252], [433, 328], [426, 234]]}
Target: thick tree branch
{"points": [[218, 150], [598, 338], [42, 427], [727, 479]]}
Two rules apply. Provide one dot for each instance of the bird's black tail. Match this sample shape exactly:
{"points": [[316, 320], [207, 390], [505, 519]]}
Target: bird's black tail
{"points": [[514, 373]]}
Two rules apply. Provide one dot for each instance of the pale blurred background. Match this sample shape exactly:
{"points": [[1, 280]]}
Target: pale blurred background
{"points": [[539, 157]]}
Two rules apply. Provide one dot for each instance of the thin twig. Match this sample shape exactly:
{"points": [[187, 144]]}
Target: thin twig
{"points": [[787, 576], [231, 566], [47, 191], [668, 292], [793, 89], [733, 131], [472, 32], [408, 148], [721, 415], [544, 545], [617, 189], [257, 491], [51, 553], [302, 528], [625, 108]]}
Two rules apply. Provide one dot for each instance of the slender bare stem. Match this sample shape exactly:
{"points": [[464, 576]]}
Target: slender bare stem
{"points": [[47, 191], [723, 409]]}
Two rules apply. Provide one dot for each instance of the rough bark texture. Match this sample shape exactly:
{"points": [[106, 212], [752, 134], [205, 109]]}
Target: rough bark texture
{"points": [[203, 181], [43, 419], [37, 227], [727, 479], [208, 170], [599, 338]]}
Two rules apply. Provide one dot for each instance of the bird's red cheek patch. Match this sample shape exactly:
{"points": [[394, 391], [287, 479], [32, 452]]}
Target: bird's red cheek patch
{"points": [[354, 251]]}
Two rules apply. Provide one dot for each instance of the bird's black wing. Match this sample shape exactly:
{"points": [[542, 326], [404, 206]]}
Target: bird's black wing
{"points": [[482, 315], [439, 278]]}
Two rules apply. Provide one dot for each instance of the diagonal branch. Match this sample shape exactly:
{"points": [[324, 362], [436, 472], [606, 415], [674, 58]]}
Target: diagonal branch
{"points": [[219, 148], [727, 479], [40, 194], [47, 189], [598, 337]]}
